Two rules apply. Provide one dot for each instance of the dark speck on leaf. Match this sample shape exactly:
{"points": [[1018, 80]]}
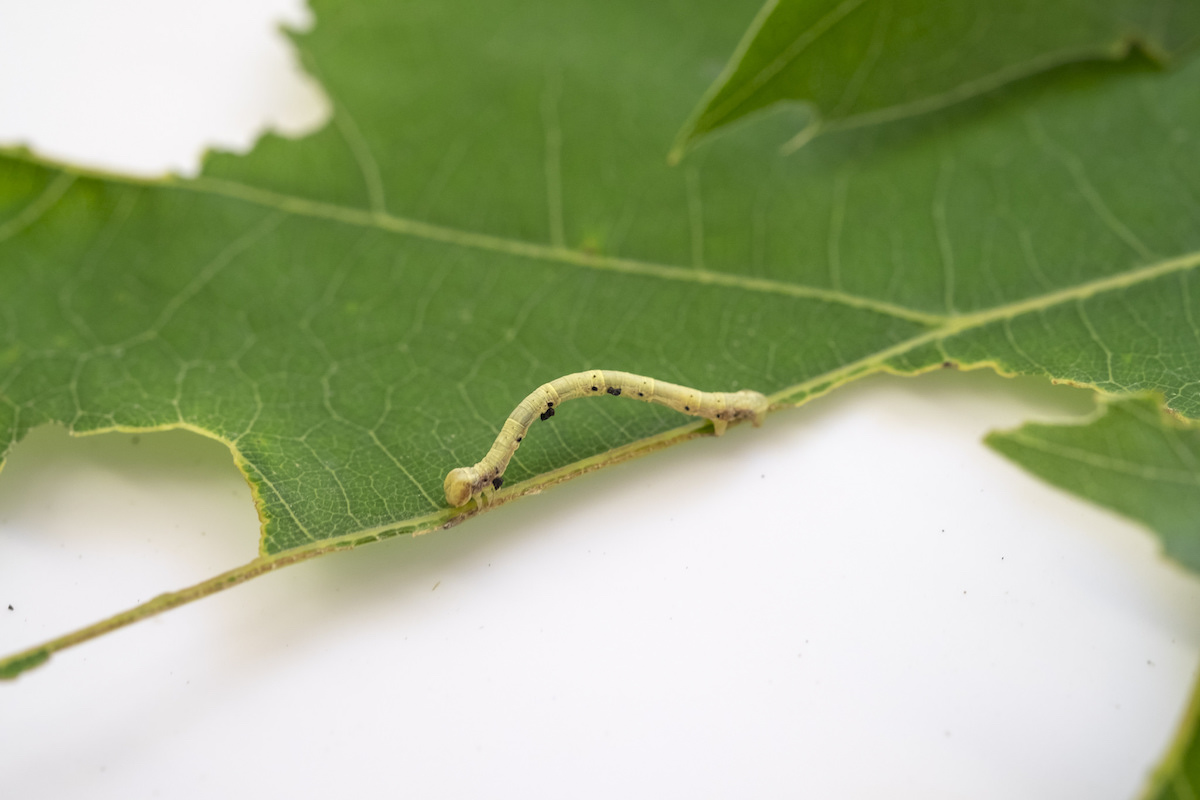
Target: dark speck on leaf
{"points": [[10, 608]]}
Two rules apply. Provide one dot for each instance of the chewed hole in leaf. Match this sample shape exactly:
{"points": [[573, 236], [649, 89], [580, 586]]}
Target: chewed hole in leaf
{"points": [[93, 525], [151, 121]]}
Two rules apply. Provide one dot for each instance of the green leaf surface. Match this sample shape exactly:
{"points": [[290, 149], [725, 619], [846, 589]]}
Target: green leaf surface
{"points": [[862, 62], [1178, 776], [1132, 457], [356, 313]]}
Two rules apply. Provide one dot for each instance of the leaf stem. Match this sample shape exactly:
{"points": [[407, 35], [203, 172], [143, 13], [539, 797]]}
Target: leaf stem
{"points": [[17, 663], [14, 665]]}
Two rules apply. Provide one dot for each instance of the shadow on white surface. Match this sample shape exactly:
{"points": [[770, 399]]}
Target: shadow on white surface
{"points": [[858, 598]]}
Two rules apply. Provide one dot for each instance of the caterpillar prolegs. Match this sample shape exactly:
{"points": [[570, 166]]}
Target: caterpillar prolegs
{"points": [[721, 408]]}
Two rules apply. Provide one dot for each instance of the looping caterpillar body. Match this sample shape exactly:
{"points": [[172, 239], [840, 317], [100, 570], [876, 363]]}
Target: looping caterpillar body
{"points": [[721, 408]]}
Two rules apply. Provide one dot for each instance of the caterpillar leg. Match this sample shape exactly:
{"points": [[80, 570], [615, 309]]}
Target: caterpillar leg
{"points": [[719, 426]]}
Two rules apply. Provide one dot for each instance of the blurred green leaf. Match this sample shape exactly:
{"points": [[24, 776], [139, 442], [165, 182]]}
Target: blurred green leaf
{"points": [[1145, 464], [862, 62], [1178, 776], [1132, 457]]}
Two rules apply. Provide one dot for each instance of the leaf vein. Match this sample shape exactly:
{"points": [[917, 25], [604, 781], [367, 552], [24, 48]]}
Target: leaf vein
{"points": [[37, 207], [1147, 472], [402, 225]]}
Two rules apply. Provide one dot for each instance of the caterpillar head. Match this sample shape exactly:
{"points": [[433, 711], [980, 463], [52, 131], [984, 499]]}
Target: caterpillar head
{"points": [[460, 485]]}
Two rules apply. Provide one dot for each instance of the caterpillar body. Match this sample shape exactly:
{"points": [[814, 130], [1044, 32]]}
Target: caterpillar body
{"points": [[479, 481]]}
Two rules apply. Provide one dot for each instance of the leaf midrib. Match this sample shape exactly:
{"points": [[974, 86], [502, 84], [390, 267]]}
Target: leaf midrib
{"points": [[1121, 466], [948, 324], [545, 252], [940, 326]]}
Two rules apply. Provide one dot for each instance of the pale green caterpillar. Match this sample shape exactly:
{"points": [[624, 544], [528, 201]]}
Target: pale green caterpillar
{"points": [[721, 408]]}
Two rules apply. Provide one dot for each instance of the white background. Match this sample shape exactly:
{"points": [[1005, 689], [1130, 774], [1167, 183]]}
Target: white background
{"points": [[857, 600]]}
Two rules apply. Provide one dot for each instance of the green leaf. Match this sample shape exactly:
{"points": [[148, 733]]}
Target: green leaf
{"points": [[1132, 457], [355, 313], [862, 62], [1178, 776]]}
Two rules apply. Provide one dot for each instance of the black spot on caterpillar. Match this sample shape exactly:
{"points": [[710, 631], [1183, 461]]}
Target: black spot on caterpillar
{"points": [[479, 481]]}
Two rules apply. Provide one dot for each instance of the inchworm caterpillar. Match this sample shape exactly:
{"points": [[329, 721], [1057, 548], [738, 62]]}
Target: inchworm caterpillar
{"points": [[721, 408]]}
